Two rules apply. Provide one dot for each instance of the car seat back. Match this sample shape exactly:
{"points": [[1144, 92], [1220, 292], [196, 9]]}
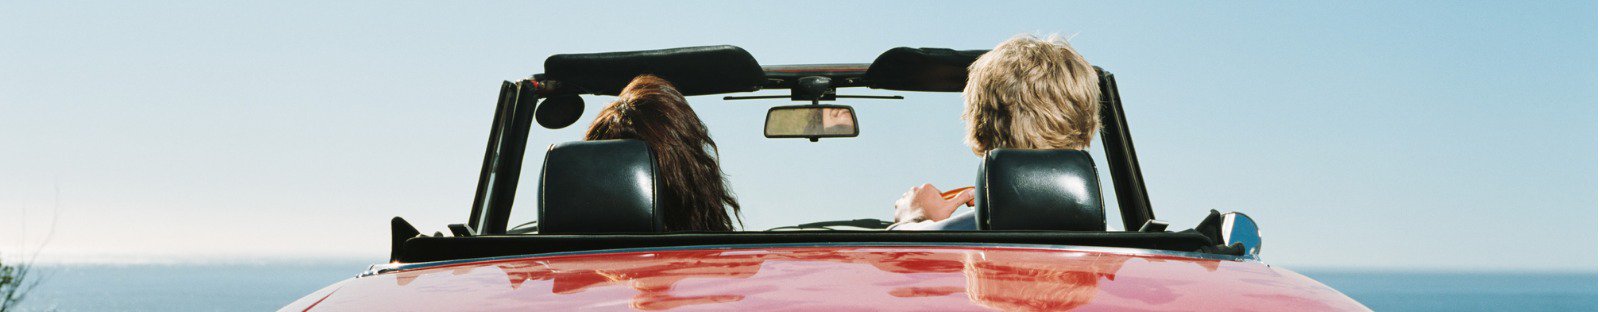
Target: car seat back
{"points": [[607, 186], [1026, 189]]}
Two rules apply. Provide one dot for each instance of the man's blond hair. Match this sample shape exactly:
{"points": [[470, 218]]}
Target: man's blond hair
{"points": [[1031, 93]]}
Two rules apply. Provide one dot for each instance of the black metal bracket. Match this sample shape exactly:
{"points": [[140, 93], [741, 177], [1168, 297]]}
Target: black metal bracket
{"points": [[502, 159], [1132, 197], [762, 97]]}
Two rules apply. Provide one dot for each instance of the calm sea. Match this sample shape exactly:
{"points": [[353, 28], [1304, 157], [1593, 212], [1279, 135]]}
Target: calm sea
{"points": [[266, 287]]}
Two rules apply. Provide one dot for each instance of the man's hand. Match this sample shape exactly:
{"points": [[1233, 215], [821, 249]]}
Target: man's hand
{"points": [[925, 203]]}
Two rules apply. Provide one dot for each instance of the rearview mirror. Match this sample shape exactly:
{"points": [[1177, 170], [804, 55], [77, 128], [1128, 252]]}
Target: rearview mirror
{"points": [[812, 122]]}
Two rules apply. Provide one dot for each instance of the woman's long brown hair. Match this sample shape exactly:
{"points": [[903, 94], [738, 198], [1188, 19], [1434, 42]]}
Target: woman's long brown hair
{"points": [[650, 109]]}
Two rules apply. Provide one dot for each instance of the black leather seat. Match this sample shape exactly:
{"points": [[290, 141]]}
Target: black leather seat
{"points": [[1055, 190], [607, 186]]}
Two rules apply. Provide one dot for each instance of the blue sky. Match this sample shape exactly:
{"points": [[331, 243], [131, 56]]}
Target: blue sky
{"points": [[1362, 135]]}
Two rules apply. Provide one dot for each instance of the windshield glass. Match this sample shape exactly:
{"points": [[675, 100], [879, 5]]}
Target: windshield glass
{"points": [[785, 182]]}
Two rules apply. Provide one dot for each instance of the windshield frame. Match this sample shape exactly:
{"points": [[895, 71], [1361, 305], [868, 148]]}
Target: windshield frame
{"points": [[514, 112]]}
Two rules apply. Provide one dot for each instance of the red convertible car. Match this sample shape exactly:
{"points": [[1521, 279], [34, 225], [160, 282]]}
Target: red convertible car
{"points": [[1036, 239]]}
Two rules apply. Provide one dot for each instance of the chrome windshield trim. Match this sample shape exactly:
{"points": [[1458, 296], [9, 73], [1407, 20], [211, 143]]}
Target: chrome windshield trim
{"points": [[393, 267]]}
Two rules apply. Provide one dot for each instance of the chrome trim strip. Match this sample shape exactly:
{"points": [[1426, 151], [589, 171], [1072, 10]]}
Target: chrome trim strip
{"points": [[382, 268]]}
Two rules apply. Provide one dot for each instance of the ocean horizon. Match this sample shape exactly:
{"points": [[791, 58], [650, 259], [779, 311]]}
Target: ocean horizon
{"points": [[269, 285]]}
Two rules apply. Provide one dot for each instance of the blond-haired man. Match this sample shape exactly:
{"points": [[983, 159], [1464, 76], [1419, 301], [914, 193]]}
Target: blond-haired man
{"points": [[1025, 93]]}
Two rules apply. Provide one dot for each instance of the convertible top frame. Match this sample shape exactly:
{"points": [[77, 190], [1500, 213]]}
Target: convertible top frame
{"points": [[903, 69]]}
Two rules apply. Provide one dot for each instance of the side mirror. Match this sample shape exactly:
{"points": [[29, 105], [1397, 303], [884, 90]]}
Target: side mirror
{"points": [[1238, 228], [559, 111], [812, 122]]}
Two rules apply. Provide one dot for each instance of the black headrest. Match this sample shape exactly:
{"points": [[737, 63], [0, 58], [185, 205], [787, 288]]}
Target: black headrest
{"points": [[1056, 190], [607, 186], [921, 69], [693, 70]]}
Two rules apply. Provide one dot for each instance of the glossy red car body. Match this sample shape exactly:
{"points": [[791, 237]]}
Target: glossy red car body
{"points": [[606, 249], [838, 278]]}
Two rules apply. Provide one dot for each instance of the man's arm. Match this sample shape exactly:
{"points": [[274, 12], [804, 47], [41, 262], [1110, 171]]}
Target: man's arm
{"points": [[925, 203]]}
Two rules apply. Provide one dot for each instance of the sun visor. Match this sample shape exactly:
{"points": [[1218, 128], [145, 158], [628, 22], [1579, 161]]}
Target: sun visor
{"points": [[921, 69], [694, 70]]}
